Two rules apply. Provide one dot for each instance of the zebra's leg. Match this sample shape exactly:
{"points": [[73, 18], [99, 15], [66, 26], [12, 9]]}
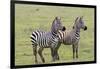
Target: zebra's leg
{"points": [[77, 51], [35, 53], [56, 54], [53, 54], [40, 54], [56, 51], [73, 46]]}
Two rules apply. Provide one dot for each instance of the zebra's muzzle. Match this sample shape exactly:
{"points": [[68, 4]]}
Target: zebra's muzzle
{"points": [[85, 28], [64, 28]]}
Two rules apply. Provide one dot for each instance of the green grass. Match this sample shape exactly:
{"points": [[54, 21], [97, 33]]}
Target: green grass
{"points": [[32, 17]]}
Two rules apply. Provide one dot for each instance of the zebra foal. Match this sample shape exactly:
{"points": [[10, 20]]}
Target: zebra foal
{"points": [[46, 40], [72, 37]]}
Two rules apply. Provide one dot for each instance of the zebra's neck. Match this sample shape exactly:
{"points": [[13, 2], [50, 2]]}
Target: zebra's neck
{"points": [[77, 32], [54, 34]]}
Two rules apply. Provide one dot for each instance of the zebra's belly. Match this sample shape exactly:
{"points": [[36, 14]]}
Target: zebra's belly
{"points": [[47, 43], [67, 43], [70, 41], [43, 42]]}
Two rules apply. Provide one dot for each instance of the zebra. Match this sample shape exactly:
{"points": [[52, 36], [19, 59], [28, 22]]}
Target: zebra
{"points": [[72, 37], [44, 39]]}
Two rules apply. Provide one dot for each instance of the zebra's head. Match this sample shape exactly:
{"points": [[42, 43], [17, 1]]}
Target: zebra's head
{"points": [[79, 23], [57, 25]]}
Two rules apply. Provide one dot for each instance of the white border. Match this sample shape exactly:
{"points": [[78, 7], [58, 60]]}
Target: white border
{"points": [[5, 34]]}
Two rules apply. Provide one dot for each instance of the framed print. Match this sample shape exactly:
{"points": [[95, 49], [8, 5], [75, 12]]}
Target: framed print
{"points": [[52, 34]]}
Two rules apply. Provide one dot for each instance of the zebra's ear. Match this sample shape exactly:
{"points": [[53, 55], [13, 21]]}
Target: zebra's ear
{"points": [[76, 19], [81, 17], [57, 18]]}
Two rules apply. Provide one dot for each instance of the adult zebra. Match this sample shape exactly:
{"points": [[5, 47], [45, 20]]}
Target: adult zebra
{"points": [[72, 37], [47, 40]]}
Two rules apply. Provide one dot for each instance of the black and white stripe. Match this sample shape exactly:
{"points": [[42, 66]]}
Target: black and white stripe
{"points": [[43, 39]]}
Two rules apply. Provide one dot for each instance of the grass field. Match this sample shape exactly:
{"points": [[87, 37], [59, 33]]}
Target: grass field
{"points": [[32, 17]]}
